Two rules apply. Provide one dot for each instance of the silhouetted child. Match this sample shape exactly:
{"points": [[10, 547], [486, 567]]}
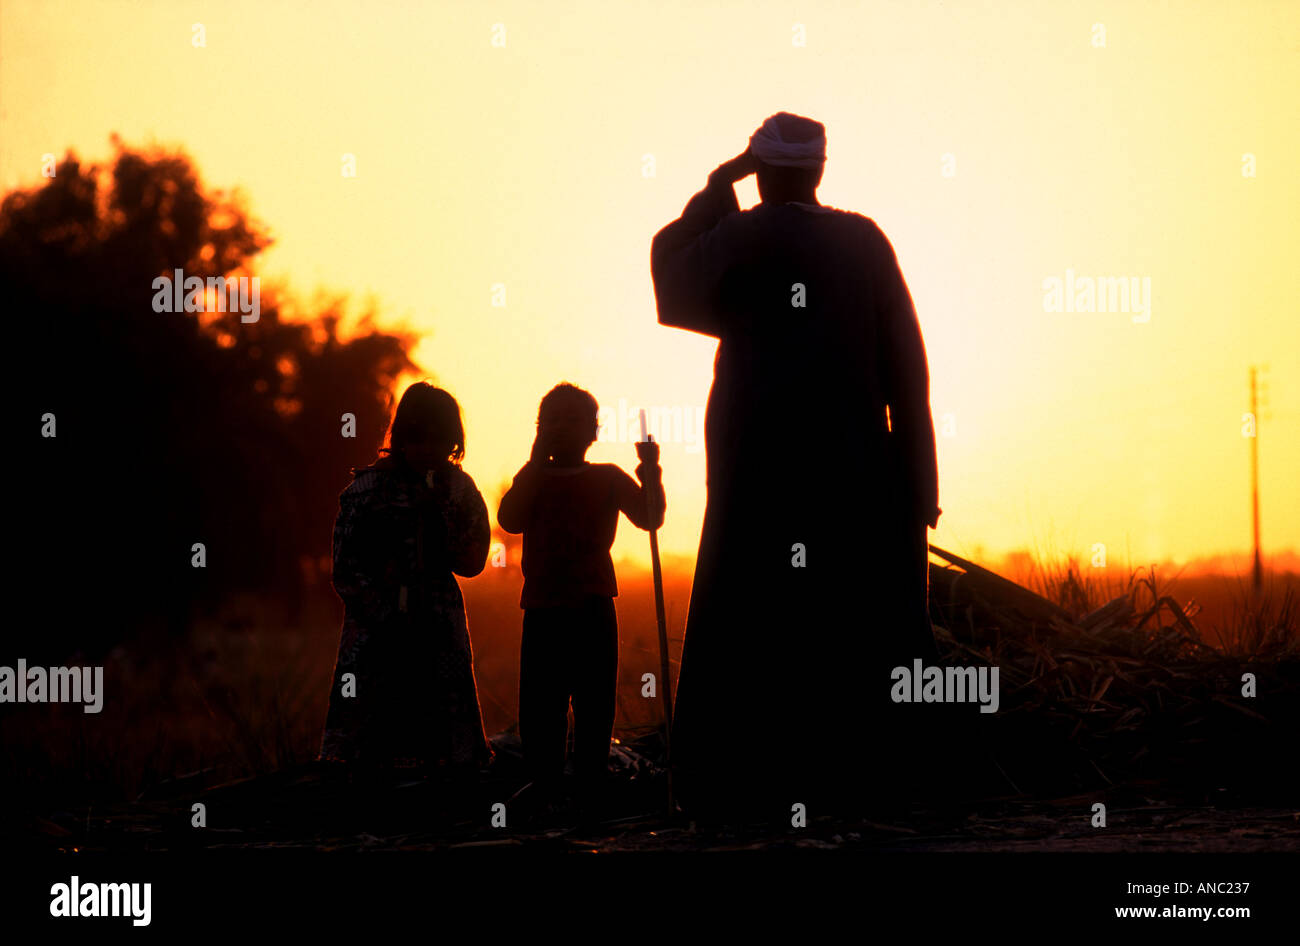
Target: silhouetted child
{"points": [[567, 510], [407, 526]]}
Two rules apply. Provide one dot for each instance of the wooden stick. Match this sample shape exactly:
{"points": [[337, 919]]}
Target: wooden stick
{"points": [[665, 684]]}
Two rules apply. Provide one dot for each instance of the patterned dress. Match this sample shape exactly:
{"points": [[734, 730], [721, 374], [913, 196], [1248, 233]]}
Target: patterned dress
{"points": [[399, 541]]}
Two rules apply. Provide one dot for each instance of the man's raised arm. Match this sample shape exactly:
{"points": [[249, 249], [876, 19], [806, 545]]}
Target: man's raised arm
{"points": [[689, 257]]}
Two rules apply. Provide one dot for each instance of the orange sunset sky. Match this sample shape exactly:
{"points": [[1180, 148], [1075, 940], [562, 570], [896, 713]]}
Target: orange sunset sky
{"points": [[998, 145]]}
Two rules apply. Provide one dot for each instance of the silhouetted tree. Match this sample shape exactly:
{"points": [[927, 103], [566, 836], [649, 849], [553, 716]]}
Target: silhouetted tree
{"points": [[172, 428]]}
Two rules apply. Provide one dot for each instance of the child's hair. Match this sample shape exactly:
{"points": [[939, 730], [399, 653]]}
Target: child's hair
{"points": [[573, 394], [427, 413]]}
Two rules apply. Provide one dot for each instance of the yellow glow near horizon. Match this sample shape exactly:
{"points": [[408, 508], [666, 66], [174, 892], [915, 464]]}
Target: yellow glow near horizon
{"points": [[523, 166]]}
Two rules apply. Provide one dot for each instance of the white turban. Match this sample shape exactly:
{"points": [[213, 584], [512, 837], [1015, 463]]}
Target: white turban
{"points": [[792, 141]]}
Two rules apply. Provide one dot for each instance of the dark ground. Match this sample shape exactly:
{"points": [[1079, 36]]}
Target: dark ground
{"points": [[1124, 705], [323, 808]]}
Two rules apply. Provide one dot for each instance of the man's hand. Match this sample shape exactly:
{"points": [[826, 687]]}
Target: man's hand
{"points": [[741, 166]]}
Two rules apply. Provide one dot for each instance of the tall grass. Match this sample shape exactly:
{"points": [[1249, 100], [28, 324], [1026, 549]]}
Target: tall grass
{"points": [[1223, 609]]}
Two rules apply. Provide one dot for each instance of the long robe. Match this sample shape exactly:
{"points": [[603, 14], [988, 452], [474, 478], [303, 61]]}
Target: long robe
{"points": [[810, 582]]}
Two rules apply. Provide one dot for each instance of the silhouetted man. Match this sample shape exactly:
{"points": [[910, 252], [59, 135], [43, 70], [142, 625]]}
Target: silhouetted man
{"points": [[811, 577]]}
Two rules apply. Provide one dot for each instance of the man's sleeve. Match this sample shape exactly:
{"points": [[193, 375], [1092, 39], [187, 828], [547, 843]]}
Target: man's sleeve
{"points": [[690, 257], [906, 377]]}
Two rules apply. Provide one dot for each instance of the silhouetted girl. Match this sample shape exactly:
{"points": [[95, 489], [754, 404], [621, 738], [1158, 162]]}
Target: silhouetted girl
{"points": [[406, 526]]}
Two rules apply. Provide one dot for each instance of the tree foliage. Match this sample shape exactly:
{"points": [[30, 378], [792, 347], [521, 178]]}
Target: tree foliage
{"points": [[172, 428]]}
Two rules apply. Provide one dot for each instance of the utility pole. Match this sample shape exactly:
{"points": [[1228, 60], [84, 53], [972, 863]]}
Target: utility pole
{"points": [[1258, 575]]}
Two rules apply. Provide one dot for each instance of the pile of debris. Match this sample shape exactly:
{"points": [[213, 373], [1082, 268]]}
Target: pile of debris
{"points": [[1121, 694]]}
